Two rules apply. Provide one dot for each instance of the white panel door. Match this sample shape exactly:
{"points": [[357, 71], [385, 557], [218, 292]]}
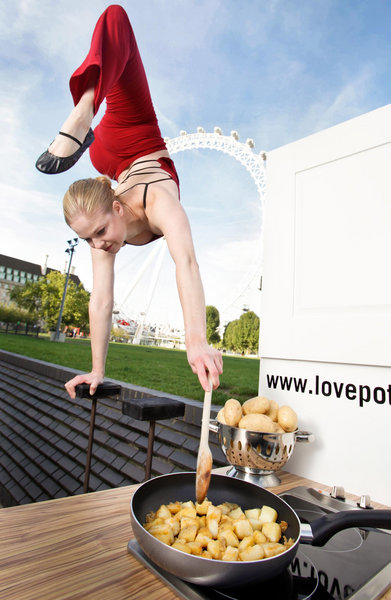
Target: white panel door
{"points": [[326, 291]]}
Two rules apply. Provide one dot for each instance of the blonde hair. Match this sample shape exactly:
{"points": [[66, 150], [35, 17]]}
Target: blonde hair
{"points": [[86, 196]]}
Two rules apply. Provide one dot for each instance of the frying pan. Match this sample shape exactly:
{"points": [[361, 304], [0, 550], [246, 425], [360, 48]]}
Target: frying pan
{"points": [[218, 573]]}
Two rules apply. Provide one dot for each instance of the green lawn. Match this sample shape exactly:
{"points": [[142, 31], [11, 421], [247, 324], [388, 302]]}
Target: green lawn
{"points": [[150, 367]]}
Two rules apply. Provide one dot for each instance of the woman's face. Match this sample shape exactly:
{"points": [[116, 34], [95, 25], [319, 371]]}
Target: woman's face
{"points": [[102, 230]]}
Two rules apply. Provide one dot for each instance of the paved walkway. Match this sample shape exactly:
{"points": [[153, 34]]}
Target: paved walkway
{"points": [[44, 436]]}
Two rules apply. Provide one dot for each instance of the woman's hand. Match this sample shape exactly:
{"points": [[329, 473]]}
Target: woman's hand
{"points": [[205, 360], [94, 379]]}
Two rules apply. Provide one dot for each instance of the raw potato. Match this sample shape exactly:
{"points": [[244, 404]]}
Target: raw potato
{"points": [[279, 429], [257, 405], [287, 418], [273, 410], [232, 412], [258, 414], [220, 416], [258, 422]]}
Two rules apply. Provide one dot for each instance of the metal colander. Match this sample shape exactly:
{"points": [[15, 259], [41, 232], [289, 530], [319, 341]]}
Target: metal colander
{"points": [[252, 453]]}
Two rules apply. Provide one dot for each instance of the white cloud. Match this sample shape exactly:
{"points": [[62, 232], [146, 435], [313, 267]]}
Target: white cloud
{"points": [[349, 101]]}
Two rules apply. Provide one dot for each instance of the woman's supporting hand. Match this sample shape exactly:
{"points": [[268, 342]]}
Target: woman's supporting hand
{"points": [[100, 312], [94, 379], [205, 360]]}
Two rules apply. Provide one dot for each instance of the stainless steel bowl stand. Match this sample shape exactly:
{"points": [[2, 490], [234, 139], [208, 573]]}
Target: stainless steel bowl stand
{"points": [[264, 480]]}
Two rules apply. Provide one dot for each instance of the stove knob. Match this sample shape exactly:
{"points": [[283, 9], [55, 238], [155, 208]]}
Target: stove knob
{"points": [[365, 502], [338, 492]]}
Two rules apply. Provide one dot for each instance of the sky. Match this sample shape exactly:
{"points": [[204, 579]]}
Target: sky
{"points": [[274, 71]]}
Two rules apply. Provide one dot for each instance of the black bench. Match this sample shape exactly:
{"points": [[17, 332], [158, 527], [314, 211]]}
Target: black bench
{"points": [[152, 409]]}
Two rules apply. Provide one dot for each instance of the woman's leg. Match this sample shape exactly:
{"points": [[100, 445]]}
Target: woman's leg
{"points": [[77, 124], [86, 81], [112, 70], [129, 127]]}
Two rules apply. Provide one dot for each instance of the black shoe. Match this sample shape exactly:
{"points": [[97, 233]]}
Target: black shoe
{"points": [[50, 164]]}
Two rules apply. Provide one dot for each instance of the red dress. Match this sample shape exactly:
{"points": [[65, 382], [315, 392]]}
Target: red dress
{"points": [[129, 127]]}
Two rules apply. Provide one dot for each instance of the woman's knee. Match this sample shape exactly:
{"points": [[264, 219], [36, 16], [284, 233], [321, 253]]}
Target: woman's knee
{"points": [[115, 11]]}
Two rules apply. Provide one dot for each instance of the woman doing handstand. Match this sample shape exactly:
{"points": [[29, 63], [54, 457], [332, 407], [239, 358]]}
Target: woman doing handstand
{"points": [[126, 146]]}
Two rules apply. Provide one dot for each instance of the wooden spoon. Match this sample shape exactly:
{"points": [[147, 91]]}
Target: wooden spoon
{"points": [[204, 459]]}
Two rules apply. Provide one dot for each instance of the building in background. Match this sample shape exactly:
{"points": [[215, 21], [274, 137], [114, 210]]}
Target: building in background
{"points": [[14, 271]]}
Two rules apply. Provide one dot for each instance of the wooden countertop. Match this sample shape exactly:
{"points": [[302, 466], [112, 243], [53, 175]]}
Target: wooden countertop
{"points": [[75, 548]]}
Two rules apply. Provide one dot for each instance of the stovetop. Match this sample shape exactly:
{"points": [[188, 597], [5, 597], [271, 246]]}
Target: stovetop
{"points": [[354, 565]]}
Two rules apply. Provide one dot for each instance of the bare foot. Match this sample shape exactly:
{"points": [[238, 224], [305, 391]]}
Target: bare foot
{"points": [[77, 124]]}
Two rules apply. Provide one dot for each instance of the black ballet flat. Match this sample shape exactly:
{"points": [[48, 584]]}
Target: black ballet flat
{"points": [[50, 164]]}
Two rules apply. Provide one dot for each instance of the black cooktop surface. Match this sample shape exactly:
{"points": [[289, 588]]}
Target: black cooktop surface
{"points": [[336, 571]]}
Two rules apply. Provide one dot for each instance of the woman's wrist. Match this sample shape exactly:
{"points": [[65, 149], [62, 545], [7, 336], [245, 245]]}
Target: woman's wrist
{"points": [[98, 372], [195, 338]]}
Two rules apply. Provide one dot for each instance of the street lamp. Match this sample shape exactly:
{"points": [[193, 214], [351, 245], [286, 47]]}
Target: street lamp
{"points": [[70, 250]]}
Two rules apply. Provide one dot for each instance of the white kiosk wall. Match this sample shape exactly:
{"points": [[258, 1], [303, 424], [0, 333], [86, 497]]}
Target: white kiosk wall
{"points": [[325, 339]]}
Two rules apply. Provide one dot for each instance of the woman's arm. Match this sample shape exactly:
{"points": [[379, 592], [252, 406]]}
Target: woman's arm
{"points": [[100, 313], [166, 214]]}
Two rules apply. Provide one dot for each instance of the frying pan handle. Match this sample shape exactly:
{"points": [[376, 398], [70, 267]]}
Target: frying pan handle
{"points": [[304, 436], [324, 528]]}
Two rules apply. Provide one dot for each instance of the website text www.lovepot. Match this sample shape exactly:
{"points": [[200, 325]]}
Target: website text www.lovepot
{"points": [[322, 387]]}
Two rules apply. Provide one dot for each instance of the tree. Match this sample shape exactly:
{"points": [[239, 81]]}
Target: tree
{"points": [[249, 323], [212, 323], [231, 337], [242, 335], [13, 314], [43, 297]]}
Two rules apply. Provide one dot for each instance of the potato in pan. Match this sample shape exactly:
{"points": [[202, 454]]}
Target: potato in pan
{"points": [[224, 532]]}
